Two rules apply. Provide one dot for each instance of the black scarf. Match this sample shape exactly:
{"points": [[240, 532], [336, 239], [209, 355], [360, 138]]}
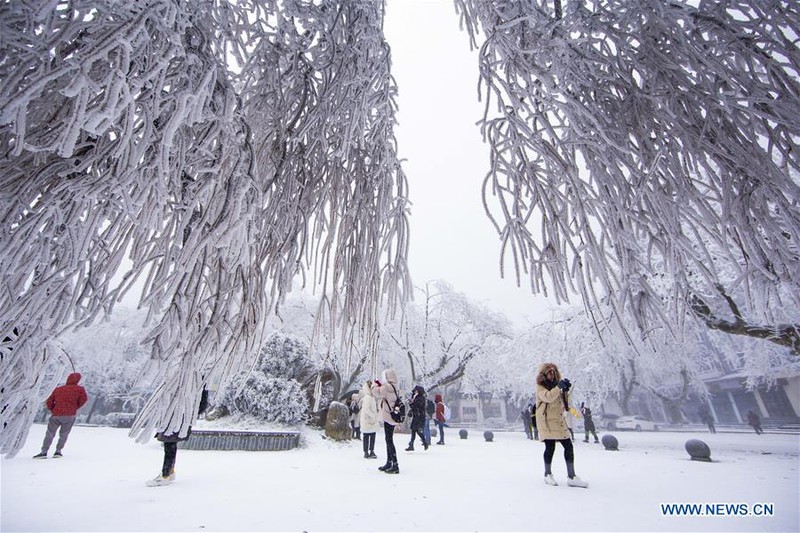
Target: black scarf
{"points": [[549, 384]]}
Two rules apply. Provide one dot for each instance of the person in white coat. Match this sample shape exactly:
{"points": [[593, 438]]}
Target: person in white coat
{"points": [[369, 418]]}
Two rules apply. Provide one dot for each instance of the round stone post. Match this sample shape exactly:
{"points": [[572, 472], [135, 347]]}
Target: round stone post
{"points": [[698, 450], [610, 442]]}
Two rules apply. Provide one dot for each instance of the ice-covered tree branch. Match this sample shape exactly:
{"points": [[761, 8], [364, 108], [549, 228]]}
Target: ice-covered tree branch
{"points": [[213, 151], [787, 335], [633, 139]]}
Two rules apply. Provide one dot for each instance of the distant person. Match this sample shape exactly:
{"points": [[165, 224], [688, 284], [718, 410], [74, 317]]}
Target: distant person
{"points": [[588, 423], [388, 394], [63, 404], [430, 413], [369, 419], [439, 417], [551, 402], [569, 418], [527, 420], [171, 441], [355, 418], [754, 421], [707, 418], [418, 405]]}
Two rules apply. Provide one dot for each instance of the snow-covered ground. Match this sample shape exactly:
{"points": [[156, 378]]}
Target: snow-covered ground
{"points": [[466, 485]]}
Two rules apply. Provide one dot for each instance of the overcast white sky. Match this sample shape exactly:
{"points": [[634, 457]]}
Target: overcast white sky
{"points": [[446, 159]]}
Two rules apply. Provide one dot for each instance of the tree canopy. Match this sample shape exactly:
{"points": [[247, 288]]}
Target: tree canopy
{"points": [[646, 154], [643, 154], [213, 150]]}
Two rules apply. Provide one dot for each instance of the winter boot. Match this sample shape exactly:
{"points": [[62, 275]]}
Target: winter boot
{"points": [[410, 448], [550, 480], [372, 455], [366, 455], [394, 469], [575, 481], [57, 455], [385, 467], [42, 455]]}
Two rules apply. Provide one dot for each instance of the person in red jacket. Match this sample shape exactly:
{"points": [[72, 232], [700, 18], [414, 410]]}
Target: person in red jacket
{"points": [[63, 404], [439, 417]]}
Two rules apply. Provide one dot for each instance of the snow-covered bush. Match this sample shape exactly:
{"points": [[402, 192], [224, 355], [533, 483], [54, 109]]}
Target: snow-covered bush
{"points": [[272, 399], [284, 356], [272, 390]]}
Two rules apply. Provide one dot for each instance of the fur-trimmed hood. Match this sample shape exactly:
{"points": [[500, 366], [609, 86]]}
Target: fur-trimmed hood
{"points": [[366, 389], [541, 377], [390, 376]]}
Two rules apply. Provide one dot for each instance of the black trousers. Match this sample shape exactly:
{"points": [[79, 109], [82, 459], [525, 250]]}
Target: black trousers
{"points": [[391, 452], [368, 442], [414, 433], [569, 455], [170, 452]]}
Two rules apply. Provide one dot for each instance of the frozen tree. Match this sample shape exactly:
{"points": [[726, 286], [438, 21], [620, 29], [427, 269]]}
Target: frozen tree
{"points": [[439, 337], [602, 360], [633, 139], [210, 150]]}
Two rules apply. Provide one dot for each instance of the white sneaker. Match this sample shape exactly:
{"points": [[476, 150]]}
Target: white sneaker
{"points": [[550, 480], [577, 482], [160, 481]]}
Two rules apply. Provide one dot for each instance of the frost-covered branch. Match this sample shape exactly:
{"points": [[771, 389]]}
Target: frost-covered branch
{"points": [[787, 335], [210, 151], [632, 139]]}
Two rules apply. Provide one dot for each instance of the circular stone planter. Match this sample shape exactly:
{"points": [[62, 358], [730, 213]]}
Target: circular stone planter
{"points": [[463, 433], [698, 450], [610, 442]]}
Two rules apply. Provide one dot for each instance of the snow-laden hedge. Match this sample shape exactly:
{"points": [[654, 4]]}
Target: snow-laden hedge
{"points": [[270, 391]]}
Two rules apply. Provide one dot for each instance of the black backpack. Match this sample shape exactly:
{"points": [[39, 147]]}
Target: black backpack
{"points": [[430, 408], [398, 410]]}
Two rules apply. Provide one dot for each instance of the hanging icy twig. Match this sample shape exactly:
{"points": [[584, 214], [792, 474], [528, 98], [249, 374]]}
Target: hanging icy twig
{"points": [[644, 140], [222, 148]]}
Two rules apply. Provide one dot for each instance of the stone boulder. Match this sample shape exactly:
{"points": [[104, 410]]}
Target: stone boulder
{"points": [[337, 422]]}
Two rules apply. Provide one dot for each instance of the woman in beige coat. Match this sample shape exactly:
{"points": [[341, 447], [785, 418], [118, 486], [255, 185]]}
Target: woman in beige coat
{"points": [[551, 404], [387, 394]]}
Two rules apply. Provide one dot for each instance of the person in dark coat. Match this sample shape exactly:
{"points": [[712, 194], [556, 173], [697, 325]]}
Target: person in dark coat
{"points": [[588, 423], [171, 441], [63, 404], [430, 412], [355, 418], [418, 405], [527, 420], [754, 421], [705, 416]]}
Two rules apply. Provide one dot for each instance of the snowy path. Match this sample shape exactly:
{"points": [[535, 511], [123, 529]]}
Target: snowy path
{"points": [[466, 485]]}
